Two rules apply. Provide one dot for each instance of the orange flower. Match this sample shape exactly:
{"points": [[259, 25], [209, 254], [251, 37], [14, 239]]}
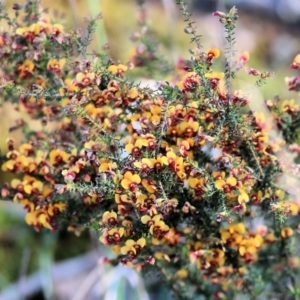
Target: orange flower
{"points": [[213, 53], [286, 232], [2, 39]]}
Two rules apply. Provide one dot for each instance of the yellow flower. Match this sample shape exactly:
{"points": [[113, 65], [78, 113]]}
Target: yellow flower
{"points": [[289, 106], [56, 208], [227, 185], [58, 156], [237, 228], [215, 257], [145, 200], [190, 82], [29, 32], [85, 79], [169, 159], [57, 28], [26, 68], [296, 62], [118, 69], [112, 236], [145, 164], [243, 196], [28, 205], [26, 149], [8, 165], [183, 147], [279, 194], [158, 163], [38, 218], [249, 246], [55, 65], [107, 165], [110, 218], [157, 227], [161, 255], [215, 75], [133, 93], [133, 248], [130, 181], [135, 149], [182, 274], [196, 183], [188, 129], [150, 221], [149, 185]]}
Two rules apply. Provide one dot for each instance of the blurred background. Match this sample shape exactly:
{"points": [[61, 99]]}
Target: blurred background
{"points": [[63, 266]]}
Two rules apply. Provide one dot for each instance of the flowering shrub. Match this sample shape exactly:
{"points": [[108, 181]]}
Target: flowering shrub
{"points": [[180, 179]]}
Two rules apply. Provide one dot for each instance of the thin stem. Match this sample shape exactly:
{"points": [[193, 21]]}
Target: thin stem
{"points": [[191, 28]]}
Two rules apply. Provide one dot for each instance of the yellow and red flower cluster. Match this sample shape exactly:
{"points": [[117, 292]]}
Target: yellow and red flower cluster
{"points": [[173, 176]]}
